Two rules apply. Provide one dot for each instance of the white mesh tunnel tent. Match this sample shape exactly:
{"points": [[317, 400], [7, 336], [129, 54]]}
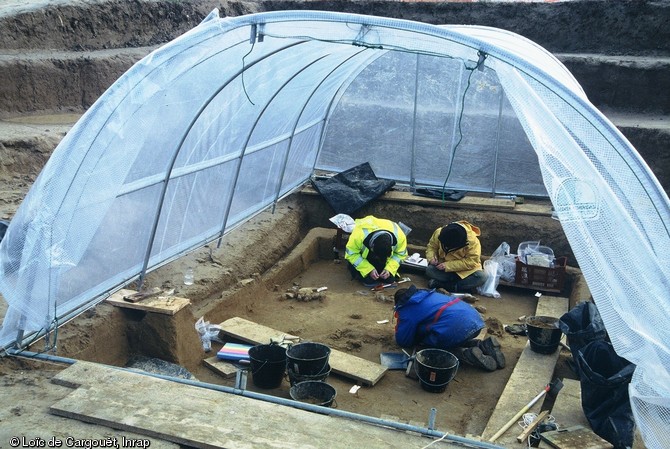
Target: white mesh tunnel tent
{"points": [[219, 124]]}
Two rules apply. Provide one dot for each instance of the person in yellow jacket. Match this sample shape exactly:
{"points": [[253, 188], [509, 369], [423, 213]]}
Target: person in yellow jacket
{"points": [[454, 258], [375, 249]]}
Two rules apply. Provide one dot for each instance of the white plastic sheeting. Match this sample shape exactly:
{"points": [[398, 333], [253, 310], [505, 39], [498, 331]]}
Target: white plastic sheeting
{"points": [[217, 125]]}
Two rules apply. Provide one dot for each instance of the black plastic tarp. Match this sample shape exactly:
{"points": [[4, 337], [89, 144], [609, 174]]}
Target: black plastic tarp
{"points": [[352, 189]]}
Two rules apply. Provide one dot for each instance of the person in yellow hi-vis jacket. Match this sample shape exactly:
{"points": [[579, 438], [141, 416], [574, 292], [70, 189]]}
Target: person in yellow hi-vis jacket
{"points": [[454, 258], [375, 249]]}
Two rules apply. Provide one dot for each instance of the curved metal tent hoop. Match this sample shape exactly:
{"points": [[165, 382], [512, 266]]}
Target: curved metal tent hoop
{"points": [[338, 95], [248, 138], [139, 81], [476, 44], [442, 32], [297, 120], [178, 148], [121, 101]]}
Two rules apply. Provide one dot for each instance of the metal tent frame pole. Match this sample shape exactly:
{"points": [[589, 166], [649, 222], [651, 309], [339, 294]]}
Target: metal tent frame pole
{"points": [[297, 120], [168, 172], [246, 143]]}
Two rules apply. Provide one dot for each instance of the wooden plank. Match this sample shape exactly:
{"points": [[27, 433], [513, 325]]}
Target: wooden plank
{"points": [[523, 436], [554, 306], [530, 287], [542, 208], [221, 367], [468, 201], [567, 409], [576, 437], [471, 202], [530, 376], [347, 365], [206, 418], [534, 208], [168, 305]]}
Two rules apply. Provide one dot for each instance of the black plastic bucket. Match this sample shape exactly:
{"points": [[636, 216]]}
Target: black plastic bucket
{"points": [[297, 378], [543, 333], [313, 392], [435, 368], [308, 359], [268, 363]]}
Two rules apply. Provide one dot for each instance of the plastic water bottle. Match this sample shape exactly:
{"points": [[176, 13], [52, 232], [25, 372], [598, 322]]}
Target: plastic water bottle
{"points": [[188, 276]]}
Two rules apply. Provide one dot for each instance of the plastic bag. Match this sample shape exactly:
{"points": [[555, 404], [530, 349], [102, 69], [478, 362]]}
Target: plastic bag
{"points": [[532, 253], [506, 262], [207, 332], [582, 325], [489, 288], [344, 222], [525, 248], [604, 379]]}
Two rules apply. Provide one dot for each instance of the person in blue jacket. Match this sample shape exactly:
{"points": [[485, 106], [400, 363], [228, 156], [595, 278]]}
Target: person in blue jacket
{"points": [[431, 319]]}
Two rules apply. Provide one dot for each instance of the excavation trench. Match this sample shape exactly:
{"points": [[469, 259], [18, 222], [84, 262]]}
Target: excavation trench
{"points": [[252, 274]]}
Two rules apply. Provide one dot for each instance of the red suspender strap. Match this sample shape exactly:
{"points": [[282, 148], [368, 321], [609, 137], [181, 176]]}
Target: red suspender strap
{"points": [[439, 312]]}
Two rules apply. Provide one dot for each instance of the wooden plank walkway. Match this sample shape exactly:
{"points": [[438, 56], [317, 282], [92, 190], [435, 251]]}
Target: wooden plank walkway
{"points": [[364, 371], [221, 367], [203, 418], [567, 409], [531, 375]]}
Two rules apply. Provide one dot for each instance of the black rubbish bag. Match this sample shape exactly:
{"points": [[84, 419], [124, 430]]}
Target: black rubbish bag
{"points": [[3, 228], [582, 325], [604, 379], [440, 194], [352, 189]]}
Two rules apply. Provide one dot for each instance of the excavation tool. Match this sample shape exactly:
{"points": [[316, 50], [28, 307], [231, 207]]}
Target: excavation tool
{"points": [[395, 360], [551, 389], [380, 287]]}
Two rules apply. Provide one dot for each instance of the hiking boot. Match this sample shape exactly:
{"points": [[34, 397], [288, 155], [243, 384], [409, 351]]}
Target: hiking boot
{"points": [[491, 346], [516, 329], [475, 357], [470, 343], [439, 286]]}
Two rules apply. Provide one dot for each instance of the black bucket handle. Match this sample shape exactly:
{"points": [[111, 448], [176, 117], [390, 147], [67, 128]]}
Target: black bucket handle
{"points": [[265, 362]]}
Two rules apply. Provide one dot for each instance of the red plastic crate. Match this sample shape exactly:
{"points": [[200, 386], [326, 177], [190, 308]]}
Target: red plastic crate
{"points": [[542, 278]]}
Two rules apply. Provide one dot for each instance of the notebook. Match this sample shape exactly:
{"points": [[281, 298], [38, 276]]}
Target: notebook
{"points": [[234, 352], [415, 260]]}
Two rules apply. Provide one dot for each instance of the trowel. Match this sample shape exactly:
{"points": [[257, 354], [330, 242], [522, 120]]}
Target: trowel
{"points": [[395, 360], [381, 287]]}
